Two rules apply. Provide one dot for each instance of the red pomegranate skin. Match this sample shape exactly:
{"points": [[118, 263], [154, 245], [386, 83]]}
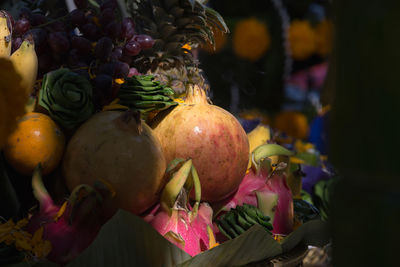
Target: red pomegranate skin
{"points": [[212, 138]]}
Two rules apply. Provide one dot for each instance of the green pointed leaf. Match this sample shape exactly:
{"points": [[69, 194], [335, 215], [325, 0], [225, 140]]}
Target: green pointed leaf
{"points": [[192, 3], [175, 185]]}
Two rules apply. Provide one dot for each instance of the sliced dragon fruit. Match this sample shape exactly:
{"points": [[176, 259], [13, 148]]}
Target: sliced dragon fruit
{"points": [[187, 227]]}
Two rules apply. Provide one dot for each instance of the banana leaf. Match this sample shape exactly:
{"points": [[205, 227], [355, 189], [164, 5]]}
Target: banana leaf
{"points": [[127, 240]]}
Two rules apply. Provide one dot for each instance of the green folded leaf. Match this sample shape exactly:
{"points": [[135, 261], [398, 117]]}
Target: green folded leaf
{"points": [[67, 96]]}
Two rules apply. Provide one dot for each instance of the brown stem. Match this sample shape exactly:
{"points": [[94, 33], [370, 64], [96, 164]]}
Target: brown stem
{"points": [[128, 115], [196, 95]]}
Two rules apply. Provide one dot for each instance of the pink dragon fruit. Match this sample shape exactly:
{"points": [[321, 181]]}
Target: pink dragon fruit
{"points": [[265, 186], [70, 228], [187, 227]]}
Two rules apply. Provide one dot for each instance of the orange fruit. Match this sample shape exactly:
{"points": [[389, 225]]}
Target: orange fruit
{"points": [[37, 139]]}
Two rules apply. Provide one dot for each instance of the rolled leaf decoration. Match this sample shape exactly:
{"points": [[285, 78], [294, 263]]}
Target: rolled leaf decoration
{"points": [[67, 96]]}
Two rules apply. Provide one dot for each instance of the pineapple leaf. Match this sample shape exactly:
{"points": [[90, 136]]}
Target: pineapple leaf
{"points": [[170, 3], [192, 3], [217, 18]]}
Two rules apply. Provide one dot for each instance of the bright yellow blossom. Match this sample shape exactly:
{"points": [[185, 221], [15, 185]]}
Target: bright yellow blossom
{"points": [[251, 39], [302, 40]]}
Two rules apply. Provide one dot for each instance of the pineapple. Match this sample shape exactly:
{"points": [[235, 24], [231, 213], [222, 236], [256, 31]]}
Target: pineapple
{"points": [[176, 26]]}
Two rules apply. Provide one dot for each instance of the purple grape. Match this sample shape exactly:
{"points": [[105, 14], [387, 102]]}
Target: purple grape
{"points": [[73, 57], [82, 69], [113, 30], [132, 48], [145, 41], [83, 45], [125, 58], [121, 70], [81, 4], [58, 26], [77, 17], [25, 13], [91, 31], [107, 16], [116, 54], [58, 42], [112, 4], [38, 19], [132, 72], [103, 48], [16, 43], [45, 62], [103, 83], [39, 36], [107, 68], [21, 26], [128, 28]]}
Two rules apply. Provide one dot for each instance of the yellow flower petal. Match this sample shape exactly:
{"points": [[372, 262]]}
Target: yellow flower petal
{"points": [[43, 249], [21, 223], [119, 81], [8, 239], [187, 46], [296, 160], [60, 212], [37, 236], [6, 227], [23, 244]]}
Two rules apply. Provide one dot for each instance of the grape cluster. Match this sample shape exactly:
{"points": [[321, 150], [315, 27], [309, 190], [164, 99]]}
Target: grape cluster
{"points": [[93, 41]]}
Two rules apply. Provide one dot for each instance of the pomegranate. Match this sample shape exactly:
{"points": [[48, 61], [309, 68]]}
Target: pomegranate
{"points": [[119, 149], [211, 137]]}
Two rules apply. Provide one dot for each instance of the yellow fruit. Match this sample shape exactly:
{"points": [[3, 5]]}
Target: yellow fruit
{"points": [[26, 63], [5, 38], [37, 139], [259, 136]]}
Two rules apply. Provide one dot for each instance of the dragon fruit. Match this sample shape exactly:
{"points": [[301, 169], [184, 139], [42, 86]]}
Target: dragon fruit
{"points": [[265, 186], [189, 228], [72, 227]]}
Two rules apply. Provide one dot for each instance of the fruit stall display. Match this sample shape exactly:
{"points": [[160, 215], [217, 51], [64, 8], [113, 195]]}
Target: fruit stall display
{"points": [[113, 152]]}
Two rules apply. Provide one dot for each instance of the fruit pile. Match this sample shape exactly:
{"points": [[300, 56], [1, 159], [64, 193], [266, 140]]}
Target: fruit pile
{"points": [[91, 40], [105, 137]]}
